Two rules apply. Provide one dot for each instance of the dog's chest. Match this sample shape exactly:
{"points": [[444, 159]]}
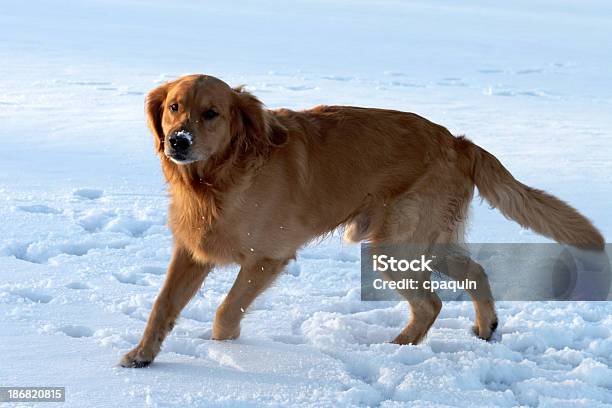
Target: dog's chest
{"points": [[232, 230], [195, 225], [231, 235]]}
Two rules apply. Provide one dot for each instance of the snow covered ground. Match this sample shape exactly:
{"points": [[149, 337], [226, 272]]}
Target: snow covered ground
{"points": [[83, 241]]}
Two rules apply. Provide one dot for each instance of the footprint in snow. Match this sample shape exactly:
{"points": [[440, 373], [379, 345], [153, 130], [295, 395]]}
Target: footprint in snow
{"points": [[76, 331], [33, 296], [395, 74], [38, 209], [128, 93], [490, 71], [40, 252], [78, 285], [300, 88], [452, 81], [529, 71], [96, 220], [90, 83], [131, 278], [88, 193], [153, 270], [338, 78]]}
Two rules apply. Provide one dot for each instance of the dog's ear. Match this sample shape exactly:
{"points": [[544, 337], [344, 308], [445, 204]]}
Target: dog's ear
{"points": [[252, 125], [154, 108]]}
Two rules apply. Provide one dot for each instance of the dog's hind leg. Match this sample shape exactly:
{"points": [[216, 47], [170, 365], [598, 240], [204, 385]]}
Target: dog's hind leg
{"points": [[185, 276], [462, 267], [399, 229], [424, 309], [427, 221]]}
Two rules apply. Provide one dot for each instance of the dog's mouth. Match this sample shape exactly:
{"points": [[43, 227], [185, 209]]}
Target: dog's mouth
{"points": [[181, 159], [184, 158]]}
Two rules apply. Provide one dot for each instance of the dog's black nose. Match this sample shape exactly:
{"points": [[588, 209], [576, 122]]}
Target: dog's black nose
{"points": [[180, 141]]}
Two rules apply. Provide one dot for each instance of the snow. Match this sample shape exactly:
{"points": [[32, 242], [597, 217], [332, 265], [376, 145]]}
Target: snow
{"points": [[185, 134], [84, 242]]}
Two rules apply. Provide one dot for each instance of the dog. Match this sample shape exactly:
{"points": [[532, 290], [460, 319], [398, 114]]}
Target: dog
{"points": [[250, 186]]}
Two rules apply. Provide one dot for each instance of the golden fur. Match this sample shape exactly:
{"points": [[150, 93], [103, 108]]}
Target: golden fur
{"points": [[255, 185]]}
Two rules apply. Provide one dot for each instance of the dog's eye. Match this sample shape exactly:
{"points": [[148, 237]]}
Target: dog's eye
{"points": [[174, 107], [210, 114]]}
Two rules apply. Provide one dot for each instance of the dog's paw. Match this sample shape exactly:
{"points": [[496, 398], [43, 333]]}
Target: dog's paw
{"points": [[487, 333], [136, 359], [224, 333], [412, 337]]}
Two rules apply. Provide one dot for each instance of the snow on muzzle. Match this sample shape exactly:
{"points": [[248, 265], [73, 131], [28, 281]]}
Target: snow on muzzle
{"points": [[180, 145]]}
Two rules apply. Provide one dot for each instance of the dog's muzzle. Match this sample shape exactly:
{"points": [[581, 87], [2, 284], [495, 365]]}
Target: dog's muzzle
{"points": [[180, 143]]}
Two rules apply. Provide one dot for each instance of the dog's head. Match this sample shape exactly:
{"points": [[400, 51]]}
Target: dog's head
{"points": [[197, 117]]}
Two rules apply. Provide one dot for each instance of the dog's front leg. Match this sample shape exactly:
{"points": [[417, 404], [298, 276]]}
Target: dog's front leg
{"points": [[252, 279], [184, 278]]}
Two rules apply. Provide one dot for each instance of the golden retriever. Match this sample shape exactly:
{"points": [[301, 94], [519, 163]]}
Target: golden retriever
{"points": [[251, 186]]}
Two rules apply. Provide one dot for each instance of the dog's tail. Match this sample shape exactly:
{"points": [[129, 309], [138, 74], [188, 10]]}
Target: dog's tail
{"points": [[531, 208]]}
